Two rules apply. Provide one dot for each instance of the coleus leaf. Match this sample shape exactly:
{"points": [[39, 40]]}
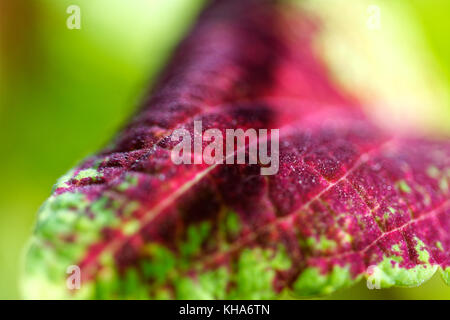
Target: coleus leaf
{"points": [[349, 200]]}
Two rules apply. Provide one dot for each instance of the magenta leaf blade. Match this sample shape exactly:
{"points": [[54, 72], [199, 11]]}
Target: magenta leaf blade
{"points": [[349, 200]]}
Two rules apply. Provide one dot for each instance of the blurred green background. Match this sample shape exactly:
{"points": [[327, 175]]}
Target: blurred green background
{"points": [[63, 93]]}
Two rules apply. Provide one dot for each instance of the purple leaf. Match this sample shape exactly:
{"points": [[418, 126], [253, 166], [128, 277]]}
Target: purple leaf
{"points": [[349, 200]]}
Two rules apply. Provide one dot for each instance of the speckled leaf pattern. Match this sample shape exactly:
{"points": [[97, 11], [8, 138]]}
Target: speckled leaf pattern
{"points": [[349, 200]]}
